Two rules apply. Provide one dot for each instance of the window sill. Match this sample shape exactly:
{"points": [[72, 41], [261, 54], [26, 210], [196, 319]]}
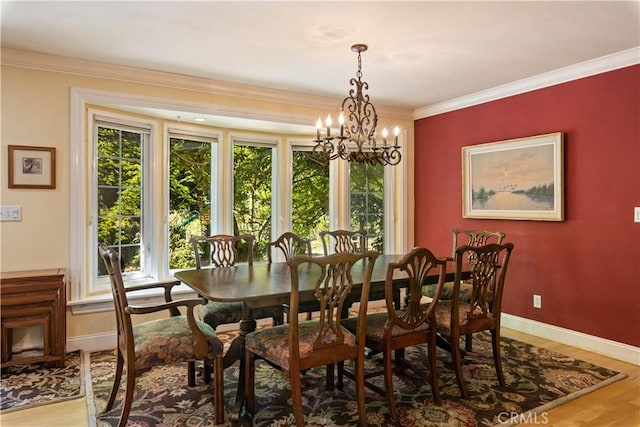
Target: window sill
{"points": [[103, 303]]}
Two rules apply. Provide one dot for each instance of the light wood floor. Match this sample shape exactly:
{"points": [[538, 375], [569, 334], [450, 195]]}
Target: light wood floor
{"points": [[615, 405]]}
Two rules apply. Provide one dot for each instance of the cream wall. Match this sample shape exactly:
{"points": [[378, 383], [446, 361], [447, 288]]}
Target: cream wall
{"points": [[35, 110]]}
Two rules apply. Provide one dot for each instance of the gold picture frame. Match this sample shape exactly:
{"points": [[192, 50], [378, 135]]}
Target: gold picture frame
{"points": [[32, 167], [519, 179]]}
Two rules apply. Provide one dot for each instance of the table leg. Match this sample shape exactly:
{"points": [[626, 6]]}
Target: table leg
{"points": [[246, 326]]}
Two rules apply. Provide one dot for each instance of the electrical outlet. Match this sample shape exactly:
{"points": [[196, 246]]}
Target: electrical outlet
{"points": [[10, 213], [537, 301]]}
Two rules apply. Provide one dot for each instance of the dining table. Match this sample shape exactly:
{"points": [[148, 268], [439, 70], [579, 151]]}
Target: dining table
{"points": [[263, 284]]}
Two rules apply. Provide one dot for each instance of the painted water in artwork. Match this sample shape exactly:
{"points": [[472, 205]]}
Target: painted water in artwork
{"points": [[516, 179]]}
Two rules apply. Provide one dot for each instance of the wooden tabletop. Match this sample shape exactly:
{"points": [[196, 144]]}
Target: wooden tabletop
{"points": [[262, 284]]}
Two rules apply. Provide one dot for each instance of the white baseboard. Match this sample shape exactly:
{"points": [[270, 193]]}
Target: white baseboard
{"points": [[615, 350], [96, 342]]}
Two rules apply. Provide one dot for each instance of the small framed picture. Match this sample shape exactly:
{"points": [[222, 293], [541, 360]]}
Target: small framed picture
{"points": [[32, 167]]}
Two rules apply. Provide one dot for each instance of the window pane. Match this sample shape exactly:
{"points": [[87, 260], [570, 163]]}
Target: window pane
{"points": [[252, 178], [310, 197], [191, 198], [367, 202], [119, 202]]}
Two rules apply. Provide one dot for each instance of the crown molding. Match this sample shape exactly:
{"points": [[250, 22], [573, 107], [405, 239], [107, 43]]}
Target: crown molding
{"points": [[53, 63], [592, 67]]}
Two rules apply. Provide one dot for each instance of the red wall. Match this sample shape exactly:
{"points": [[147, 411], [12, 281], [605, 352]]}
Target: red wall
{"points": [[586, 268]]}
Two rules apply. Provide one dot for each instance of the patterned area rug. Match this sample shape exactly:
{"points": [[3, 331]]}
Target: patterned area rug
{"points": [[33, 385], [537, 380]]}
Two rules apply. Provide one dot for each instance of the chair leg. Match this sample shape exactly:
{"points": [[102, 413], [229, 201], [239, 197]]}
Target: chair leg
{"points": [[278, 317], [388, 383], [249, 396], [296, 397], [116, 382], [362, 408], [331, 380], [207, 372], [497, 360], [191, 373], [340, 380], [129, 387], [457, 365], [468, 343], [218, 389], [433, 367]]}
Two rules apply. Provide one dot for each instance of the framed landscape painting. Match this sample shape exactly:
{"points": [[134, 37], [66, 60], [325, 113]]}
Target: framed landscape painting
{"points": [[514, 179]]}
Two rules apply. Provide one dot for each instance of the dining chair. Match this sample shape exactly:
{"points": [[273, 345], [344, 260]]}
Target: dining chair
{"points": [[290, 245], [458, 317], [351, 241], [395, 329], [178, 338], [299, 346], [343, 241], [461, 237], [224, 250]]}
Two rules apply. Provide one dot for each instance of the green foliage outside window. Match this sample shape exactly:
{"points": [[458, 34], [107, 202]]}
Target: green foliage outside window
{"points": [[310, 197], [189, 198], [192, 186], [119, 161], [367, 202]]}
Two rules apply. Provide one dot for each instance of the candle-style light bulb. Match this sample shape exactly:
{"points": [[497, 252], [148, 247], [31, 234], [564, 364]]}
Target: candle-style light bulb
{"points": [[396, 132], [341, 122], [328, 123], [318, 127], [384, 136]]}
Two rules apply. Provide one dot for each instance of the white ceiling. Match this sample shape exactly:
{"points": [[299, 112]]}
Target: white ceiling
{"points": [[420, 53]]}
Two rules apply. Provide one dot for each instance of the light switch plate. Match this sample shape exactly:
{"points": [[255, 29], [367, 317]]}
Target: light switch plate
{"points": [[10, 213], [636, 214]]}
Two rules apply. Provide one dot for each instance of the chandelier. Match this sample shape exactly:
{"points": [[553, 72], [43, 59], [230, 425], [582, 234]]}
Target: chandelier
{"points": [[356, 141]]}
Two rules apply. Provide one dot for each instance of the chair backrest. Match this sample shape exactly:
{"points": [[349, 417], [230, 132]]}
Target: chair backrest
{"points": [[344, 241], [487, 278], [290, 244], [222, 250], [418, 264], [123, 319], [333, 278], [474, 238]]}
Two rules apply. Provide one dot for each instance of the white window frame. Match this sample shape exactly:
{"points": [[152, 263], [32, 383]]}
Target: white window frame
{"points": [[250, 140], [81, 100], [195, 133]]}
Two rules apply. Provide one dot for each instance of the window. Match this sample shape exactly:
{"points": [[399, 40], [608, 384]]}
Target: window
{"points": [[145, 186], [309, 197], [367, 202], [119, 204], [192, 194], [252, 194]]}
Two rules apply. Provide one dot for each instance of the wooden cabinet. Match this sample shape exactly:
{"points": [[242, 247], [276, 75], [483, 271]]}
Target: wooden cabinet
{"points": [[34, 299]]}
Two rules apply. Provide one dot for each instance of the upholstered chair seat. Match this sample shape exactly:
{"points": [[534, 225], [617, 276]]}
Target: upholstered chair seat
{"points": [[216, 313], [273, 344], [169, 340]]}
